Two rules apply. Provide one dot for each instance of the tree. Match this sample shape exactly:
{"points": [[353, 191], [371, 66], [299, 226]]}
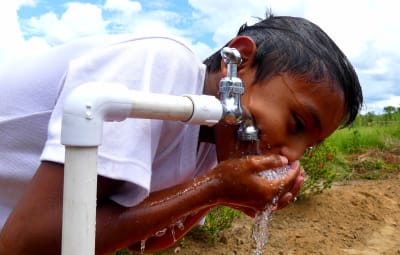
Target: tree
{"points": [[389, 110]]}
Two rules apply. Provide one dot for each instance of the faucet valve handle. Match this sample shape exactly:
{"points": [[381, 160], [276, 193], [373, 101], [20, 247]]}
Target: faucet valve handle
{"points": [[232, 58], [231, 55]]}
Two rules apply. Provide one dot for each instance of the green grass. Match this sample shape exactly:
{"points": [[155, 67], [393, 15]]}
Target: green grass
{"points": [[364, 149], [356, 139]]}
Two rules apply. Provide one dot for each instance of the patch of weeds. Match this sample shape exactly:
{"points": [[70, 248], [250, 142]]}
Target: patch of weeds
{"points": [[320, 164], [374, 164], [219, 219]]}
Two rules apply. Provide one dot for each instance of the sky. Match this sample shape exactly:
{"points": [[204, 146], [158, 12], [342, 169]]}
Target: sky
{"points": [[367, 31]]}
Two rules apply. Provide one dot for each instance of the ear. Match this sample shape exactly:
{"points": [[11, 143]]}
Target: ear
{"points": [[247, 48]]}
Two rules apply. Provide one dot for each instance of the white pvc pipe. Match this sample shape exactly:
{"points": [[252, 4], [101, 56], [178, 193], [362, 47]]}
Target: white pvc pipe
{"points": [[89, 105], [79, 201], [85, 110]]}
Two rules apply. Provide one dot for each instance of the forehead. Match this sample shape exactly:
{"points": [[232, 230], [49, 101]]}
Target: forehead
{"points": [[323, 100]]}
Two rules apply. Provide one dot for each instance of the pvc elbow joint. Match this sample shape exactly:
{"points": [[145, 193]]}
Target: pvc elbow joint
{"points": [[87, 107]]}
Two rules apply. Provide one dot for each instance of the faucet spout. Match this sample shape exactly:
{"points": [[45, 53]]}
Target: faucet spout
{"points": [[247, 130]]}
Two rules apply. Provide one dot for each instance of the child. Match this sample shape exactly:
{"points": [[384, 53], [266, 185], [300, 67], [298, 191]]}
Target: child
{"points": [[299, 88]]}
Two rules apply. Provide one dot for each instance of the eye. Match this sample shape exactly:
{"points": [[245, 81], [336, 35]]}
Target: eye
{"points": [[297, 124]]}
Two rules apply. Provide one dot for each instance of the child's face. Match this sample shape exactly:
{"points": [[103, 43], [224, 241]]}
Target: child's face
{"points": [[291, 115]]}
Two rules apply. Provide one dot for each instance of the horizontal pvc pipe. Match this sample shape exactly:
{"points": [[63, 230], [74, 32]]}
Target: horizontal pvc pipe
{"points": [[89, 105]]}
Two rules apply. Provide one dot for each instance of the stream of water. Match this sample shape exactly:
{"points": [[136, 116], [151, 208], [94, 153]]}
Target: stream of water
{"points": [[262, 219]]}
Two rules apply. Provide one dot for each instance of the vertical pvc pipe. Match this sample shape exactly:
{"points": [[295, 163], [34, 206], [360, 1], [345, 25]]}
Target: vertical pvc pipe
{"points": [[79, 215]]}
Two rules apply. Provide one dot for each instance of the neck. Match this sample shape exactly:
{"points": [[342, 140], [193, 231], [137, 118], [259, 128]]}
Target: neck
{"points": [[211, 84], [206, 134]]}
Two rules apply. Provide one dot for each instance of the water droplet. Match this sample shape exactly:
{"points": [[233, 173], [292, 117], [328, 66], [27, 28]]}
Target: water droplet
{"points": [[179, 223], [142, 246], [161, 232], [172, 227]]}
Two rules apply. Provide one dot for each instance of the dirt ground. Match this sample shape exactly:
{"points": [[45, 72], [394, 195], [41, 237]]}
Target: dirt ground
{"points": [[355, 217]]}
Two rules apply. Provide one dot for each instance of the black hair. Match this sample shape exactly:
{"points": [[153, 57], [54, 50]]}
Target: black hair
{"points": [[301, 48]]}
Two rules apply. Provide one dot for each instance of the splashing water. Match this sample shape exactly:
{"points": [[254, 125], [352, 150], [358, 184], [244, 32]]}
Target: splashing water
{"points": [[195, 185], [263, 218], [275, 174], [260, 229]]}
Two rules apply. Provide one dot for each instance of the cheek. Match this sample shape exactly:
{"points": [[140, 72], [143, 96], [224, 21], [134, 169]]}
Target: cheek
{"points": [[331, 117], [269, 111], [271, 123]]}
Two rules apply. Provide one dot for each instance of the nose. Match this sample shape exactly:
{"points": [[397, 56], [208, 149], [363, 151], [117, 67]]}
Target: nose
{"points": [[292, 151]]}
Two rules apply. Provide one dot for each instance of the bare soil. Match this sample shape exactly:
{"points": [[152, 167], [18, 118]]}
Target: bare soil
{"points": [[360, 217], [357, 217]]}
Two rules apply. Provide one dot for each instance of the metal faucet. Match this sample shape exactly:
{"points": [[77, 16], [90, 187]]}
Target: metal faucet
{"points": [[230, 90], [231, 87]]}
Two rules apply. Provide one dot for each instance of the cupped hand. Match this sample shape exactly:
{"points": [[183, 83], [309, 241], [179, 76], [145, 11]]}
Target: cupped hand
{"points": [[241, 185], [290, 195]]}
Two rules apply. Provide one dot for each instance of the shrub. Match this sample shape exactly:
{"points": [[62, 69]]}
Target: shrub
{"points": [[219, 219], [319, 164]]}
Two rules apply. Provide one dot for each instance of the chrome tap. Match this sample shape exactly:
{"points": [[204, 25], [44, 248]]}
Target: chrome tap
{"points": [[231, 87], [230, 90]]}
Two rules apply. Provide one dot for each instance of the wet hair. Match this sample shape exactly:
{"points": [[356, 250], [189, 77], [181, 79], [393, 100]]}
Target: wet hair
{"points": [[299, 47]]}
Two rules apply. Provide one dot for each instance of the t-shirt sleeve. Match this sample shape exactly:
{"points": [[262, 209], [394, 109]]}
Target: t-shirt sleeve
{"points": [[128, 147]]}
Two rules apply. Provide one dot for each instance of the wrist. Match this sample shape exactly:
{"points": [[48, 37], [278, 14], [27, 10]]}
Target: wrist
{"points": [[215, 188]]}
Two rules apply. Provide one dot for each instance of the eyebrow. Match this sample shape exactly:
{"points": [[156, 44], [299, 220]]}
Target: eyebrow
{"points": [[311, 108]]}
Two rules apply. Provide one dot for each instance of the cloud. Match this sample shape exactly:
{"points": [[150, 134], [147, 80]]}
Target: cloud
{"points": [[224, 17], [366, 30], [79, 19], [13, 44], [124, 6]]}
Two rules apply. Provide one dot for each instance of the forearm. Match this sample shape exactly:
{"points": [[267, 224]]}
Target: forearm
{"points": [[34, 227], [119, 227], [169, 235]]}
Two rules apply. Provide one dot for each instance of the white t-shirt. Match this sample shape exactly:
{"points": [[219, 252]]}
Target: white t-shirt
{"points": [[148, 155]]}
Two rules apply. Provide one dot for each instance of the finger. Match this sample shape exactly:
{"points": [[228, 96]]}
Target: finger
{"points": [[292, 174], [284, 201], [297, 185], [264, 162]]}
